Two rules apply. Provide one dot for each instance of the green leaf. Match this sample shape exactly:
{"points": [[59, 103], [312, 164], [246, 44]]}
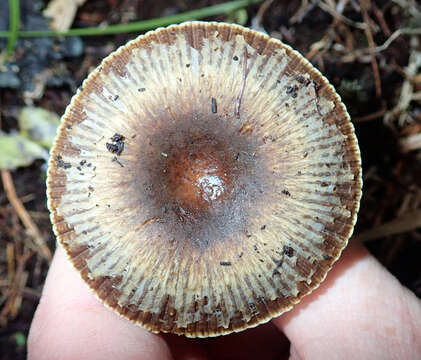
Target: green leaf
{"points": [[137, 26], [20, 339], [38, 125], [239, 16], [14, 20], [16, 150]]}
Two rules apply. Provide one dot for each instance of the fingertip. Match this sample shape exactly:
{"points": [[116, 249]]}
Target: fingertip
{"points": [[70, 323]]}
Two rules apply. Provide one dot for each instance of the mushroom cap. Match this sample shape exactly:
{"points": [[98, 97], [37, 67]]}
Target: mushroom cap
{"points": [[204, 179]]}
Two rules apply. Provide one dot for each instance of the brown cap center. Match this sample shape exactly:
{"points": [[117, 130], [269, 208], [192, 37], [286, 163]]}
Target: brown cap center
{"points": [[198, 178]]}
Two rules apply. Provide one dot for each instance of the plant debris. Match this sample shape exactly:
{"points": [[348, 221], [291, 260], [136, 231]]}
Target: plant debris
{"points": [[61, 163], [225, 263], [62, 13], [213, 106], [242, 87], [117, 144], [288, 251]]}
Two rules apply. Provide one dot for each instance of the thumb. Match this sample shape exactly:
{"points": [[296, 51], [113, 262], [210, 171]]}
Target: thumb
{"points": [[360, 311], [70, 323]]}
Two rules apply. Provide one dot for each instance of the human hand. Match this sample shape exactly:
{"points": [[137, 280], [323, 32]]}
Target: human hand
{"points": [[360, 312]]}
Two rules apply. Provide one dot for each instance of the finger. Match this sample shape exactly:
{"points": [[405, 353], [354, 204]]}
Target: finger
{"points": [[360, 311], [70, 323]]}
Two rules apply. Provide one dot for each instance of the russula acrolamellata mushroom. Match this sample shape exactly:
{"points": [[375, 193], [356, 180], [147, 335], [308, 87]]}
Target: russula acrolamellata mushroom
{"points": [[204, 179]]}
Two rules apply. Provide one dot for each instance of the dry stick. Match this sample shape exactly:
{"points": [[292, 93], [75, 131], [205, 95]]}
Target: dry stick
{"points": [[369, 117], [26, 219], [402, 224], [399, 112], [395, 35], [262, 10], [10, 255], [302, 11], [410, 143], [21, 280], [243, 85], [382, 22], [14, 293], [335, 14], [16, 302], [27, 292], [372, 45], [361, 53]]}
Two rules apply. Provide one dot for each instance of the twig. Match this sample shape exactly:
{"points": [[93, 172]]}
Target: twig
{"points": [[10, 255], [243, 85], [409, 6], [382, 22], [302, 11], [26, 219], [62, 18], [394, 36], [369, 117], [340, 17], [407, 88], [372, 45], [322, 45], [405, 223], [262, 10], [409, 143], [360, 53], [13, 294]]}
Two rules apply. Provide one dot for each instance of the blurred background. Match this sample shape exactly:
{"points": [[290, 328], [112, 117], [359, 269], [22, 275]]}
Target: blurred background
{"points": [[369, 50]]}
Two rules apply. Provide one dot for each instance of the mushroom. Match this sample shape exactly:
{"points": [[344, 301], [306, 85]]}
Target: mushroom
{"points": [[204, 178]]}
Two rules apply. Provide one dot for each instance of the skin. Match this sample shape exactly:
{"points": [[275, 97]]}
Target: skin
{"points": [[359, 312]]}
